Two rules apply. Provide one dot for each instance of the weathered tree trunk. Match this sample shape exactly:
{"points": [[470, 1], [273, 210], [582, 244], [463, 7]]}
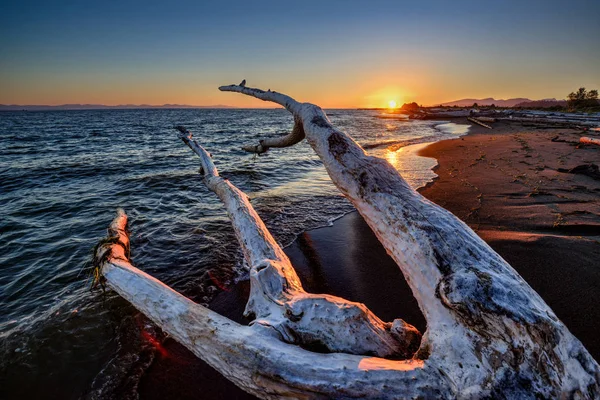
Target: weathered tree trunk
{"points": [[489, 334]]}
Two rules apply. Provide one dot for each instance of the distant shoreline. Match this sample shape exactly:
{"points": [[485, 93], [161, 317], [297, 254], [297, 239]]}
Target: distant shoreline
{"points": [[11, 108], [91, 107]]}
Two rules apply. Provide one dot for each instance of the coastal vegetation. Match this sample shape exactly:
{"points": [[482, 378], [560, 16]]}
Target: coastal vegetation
{"points": [[583, 100], [580, 100]]}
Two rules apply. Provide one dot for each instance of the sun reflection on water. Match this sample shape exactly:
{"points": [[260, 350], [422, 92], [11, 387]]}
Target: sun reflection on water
{"points": [[411, 166]]}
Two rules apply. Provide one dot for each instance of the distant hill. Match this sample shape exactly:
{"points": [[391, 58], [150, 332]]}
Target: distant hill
{"points": [[545, 103], [486, 102], [16, 107]]}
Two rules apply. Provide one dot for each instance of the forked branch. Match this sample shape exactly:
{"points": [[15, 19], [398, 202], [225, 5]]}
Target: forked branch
{"points": [[290, 104], [288, 140], [480, 313], [489, 335], [267, 368], [279, 304]]}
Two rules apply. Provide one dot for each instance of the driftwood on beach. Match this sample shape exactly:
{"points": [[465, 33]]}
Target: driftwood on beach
{"points": [[489, 334], [478, 121], [509, 115], [588, 140], [557, 122]]}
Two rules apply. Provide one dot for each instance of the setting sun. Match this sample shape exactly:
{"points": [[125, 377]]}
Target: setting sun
{"points": [[392, 104]]}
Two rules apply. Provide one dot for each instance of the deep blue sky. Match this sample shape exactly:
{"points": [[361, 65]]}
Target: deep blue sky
{"points": [[336, 53]]}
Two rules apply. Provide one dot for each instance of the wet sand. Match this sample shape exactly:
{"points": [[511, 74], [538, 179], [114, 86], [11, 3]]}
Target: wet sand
{"points": [[505, 184]]}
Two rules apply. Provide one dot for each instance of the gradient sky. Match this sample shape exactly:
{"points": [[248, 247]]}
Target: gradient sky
{"points": [[332, 53]]}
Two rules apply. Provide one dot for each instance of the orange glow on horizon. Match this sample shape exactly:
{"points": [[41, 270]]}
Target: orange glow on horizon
{"points": [[381, 94], [375, 90]]}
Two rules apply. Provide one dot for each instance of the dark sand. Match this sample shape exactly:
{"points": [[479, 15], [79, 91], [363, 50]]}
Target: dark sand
{"points": [[504, 183]]}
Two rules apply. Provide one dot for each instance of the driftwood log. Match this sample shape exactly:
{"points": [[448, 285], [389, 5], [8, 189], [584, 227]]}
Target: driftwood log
{"points": [[489, 334], [588, 140], [486, 119], [479, 122], [558, 122]]}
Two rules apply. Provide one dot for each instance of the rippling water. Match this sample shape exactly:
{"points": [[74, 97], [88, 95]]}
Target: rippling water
{"points": [[62, 175]]}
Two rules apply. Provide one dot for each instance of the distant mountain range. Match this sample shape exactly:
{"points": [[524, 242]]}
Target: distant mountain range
{"points": [[516, 102], [487, 102], [16, 107]]}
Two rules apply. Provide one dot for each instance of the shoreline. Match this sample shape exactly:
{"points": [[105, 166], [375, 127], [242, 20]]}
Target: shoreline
{"points": [[345, 258]]}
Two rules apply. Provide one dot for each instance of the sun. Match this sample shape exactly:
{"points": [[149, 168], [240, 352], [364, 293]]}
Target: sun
{"points": [[392, 104]]}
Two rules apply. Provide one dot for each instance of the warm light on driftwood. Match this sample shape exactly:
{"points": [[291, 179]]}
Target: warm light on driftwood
{"points": [[489, 334]]}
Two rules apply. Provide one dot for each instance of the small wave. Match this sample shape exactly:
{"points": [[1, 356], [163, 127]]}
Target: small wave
{"points": [[452, 128]]}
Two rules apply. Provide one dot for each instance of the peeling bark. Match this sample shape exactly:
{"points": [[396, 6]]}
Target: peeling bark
{"points": [[489, 333]]}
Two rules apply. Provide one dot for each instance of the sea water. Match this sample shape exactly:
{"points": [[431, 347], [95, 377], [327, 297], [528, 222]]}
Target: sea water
{"points": [[63, 174]]}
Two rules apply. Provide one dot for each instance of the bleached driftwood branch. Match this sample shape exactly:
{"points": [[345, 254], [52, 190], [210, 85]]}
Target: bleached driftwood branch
{"points": [[489, 333], [249, 357], [295, 136], [279, 305]]}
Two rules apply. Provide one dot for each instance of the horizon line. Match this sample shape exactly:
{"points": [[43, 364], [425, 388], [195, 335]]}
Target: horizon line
{"points": [[99, 106]]}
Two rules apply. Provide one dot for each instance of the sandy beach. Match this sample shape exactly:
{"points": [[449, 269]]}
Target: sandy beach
{"points": [[505, 183], [512, 186]]}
